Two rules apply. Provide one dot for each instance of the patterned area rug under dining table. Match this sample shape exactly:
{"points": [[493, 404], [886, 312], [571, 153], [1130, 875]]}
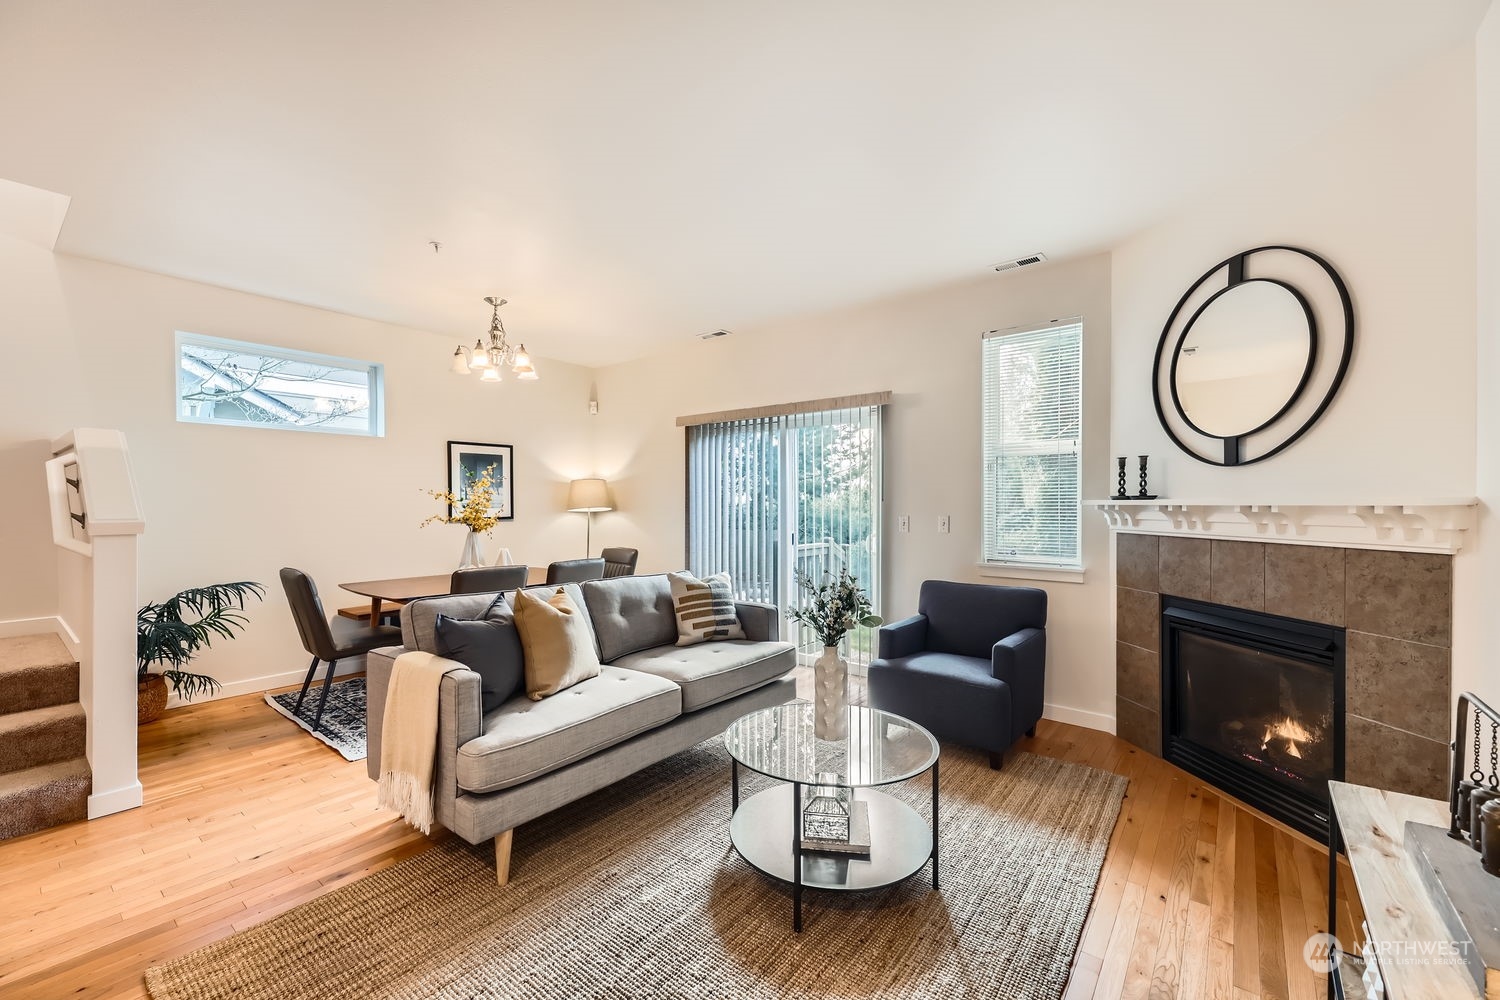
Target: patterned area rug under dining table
{"points": [[635, 891]]}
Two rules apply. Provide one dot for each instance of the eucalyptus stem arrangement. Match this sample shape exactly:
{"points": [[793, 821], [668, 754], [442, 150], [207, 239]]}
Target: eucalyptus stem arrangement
{"points": [[473, 508], [836, 606]]}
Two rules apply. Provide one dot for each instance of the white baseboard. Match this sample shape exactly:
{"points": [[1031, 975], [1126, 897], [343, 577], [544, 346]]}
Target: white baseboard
{"points": [[255, 685], [116, 800], [69, 638], [1079, 717], [33, 626]]}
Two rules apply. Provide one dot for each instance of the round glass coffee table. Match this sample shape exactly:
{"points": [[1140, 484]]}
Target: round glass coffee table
{"points": [[879, 749]]}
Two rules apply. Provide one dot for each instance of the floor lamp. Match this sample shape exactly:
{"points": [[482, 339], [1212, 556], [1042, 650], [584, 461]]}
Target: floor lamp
{"points": [[586, 496]]}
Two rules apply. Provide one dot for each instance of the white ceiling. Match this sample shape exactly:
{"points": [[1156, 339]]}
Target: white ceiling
{"points": [[630, 174]]}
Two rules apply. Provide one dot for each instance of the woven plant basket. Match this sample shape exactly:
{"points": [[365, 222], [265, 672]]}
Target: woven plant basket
{"points": [[150, 698]]}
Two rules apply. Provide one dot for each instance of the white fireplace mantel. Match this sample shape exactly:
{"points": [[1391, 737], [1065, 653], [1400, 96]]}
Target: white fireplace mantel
{"points": [[1409, 526]]}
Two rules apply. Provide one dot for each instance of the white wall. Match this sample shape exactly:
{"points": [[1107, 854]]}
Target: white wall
{"points": [[1387, 197], [925, 349], [1477, 648], [91, 344]]}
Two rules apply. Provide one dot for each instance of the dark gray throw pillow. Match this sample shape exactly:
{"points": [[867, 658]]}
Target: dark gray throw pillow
{"points": [[489, 646]]}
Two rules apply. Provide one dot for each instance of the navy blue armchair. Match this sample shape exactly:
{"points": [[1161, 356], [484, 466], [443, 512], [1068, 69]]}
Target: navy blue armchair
{"points": [[969, 666]]}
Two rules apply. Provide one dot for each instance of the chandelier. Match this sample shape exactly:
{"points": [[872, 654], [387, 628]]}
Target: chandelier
{"points": [[490, 360]]}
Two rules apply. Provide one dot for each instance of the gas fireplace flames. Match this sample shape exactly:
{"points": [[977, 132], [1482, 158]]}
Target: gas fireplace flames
{"points": [[1284, 736]]}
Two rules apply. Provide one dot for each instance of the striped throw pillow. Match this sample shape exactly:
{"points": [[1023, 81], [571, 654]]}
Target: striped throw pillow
{"points": [[704, 608]]}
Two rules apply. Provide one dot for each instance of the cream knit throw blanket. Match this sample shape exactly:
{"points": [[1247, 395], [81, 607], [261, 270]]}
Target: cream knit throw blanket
{"points": [[408, 743]]}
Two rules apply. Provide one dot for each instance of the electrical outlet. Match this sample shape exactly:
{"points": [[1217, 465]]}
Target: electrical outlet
{"points": [[594, 407], [944, 523], [903, 524]]}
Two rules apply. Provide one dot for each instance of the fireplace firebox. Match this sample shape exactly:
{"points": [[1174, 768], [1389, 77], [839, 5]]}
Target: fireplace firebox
{"points": [[1254, 704]]}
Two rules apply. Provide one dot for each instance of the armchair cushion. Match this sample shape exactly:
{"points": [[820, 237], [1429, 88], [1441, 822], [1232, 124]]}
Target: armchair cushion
{"points": [[954, 697]]}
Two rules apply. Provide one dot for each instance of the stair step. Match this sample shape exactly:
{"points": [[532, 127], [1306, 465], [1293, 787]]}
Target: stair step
{"points": [[42, 736], [42, 797], [36, 671]]}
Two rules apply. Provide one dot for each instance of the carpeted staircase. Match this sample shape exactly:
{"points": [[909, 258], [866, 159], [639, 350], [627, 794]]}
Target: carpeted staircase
{"points": [[44, 775]]}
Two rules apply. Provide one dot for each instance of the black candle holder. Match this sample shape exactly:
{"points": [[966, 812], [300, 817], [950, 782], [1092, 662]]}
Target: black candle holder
{"points": [[1143, 494], [1120, 493]]}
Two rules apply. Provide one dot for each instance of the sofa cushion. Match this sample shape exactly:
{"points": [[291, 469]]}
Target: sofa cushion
{"points": [[557, 641], [710, 672], [630, 613], [419, 617], [491, 647], [526, 739], [705, 608]]}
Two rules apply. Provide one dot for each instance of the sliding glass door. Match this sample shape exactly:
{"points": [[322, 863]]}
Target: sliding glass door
{"points": [[771, 498]]}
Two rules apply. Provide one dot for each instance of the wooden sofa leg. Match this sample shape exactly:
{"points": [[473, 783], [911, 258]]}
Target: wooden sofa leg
{"points": [[502, 857], [1031, 733], [997, 759]]}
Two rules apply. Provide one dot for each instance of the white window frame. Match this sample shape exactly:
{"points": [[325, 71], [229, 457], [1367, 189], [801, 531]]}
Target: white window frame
{"points": [[1062, 571], [375, 418]]}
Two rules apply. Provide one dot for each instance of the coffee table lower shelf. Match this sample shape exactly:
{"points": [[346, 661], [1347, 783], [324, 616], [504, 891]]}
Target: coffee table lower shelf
{"points": [[764, 829]]}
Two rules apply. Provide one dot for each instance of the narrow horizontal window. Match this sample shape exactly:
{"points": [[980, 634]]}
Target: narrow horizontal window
{"points": [[1033, 447], [252, 385]]}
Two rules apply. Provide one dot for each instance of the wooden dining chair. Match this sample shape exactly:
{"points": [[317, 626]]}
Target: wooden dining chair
{"points": [[488, 579], [327, 641]]}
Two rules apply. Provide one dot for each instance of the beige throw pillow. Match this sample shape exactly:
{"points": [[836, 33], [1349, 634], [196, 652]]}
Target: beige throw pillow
{"points": [[557, 642], [704, 608]]}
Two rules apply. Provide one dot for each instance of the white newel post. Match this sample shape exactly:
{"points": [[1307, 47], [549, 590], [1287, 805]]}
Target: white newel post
{"points": [[90, 474]]}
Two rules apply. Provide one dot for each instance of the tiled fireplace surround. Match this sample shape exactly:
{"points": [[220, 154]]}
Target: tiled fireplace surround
{"points": [[1396, 608]]}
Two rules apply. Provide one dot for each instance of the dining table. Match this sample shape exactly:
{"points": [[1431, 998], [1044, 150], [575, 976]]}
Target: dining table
{"points": [[400, 589]]}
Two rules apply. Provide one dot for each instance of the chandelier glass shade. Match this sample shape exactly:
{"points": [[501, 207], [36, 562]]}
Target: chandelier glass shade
{"points": [[491, 355]]}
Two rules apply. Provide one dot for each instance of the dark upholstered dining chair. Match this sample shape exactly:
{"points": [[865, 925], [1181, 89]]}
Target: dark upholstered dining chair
{"points": [[487, 579], [575, 570], [327, 641], [969, 666], [619, 562]]}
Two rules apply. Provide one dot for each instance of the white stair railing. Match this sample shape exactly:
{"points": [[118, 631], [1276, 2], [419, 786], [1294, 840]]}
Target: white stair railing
{"points": [[96, 520]]}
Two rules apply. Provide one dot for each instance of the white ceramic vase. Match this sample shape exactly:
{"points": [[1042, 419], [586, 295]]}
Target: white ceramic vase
{"points": [[831, 695], [473, 551]]}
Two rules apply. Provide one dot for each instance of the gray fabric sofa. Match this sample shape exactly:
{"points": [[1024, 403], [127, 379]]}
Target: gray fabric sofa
{"points": [[496, 770]]}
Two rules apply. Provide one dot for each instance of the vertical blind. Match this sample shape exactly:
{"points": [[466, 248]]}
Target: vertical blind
{"points": [[772, 498], [1033, 419]]}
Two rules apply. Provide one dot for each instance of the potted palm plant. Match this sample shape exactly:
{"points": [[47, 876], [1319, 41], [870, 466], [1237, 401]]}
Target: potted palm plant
{"points": [[176, 630]]}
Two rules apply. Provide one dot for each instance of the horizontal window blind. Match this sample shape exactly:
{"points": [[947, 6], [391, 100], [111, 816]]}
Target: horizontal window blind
{"points": [[1033, 419]]}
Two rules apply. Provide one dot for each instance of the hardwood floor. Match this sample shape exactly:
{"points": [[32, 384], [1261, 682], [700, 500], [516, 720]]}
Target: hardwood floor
{"points": [[246, 816]]}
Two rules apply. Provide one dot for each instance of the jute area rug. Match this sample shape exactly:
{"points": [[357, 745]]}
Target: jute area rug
{"points": [[635, 891]]}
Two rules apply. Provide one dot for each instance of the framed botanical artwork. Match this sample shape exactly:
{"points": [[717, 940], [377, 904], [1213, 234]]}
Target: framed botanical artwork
{"points": [[467, 461]]}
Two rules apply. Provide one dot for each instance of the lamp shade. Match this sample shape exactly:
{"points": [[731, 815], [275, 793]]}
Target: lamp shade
{"points": [[588, 496]]}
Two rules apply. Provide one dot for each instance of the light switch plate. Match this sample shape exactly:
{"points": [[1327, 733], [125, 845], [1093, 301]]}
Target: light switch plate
{"points": [[944, 523], [903, 523]]}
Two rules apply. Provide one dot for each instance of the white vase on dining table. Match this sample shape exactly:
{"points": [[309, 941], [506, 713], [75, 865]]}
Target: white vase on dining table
{"points": [[473, 552]]}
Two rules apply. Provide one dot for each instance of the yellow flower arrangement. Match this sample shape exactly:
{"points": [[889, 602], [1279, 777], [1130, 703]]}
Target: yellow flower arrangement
{"points": [[473, 508]]}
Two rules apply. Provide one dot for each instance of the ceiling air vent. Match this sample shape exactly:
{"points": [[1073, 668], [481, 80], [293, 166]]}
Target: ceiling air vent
{"points": [[1011, 265], [713, 334]]}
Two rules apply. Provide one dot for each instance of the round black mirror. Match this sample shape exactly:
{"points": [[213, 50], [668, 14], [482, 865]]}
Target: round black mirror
{"points": [[1243, 355], [1243, 358]]}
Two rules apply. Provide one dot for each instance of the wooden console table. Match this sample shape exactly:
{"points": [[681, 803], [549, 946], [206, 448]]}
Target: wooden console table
{"points": [[1371, 825]]}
